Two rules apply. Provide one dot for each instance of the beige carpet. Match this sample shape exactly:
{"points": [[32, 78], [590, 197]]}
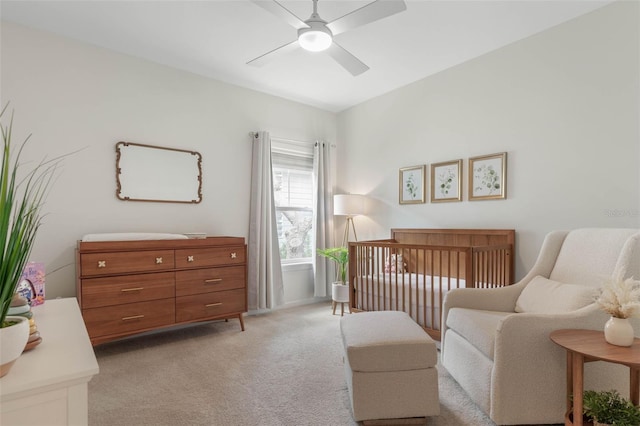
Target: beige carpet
{"points": [[285, 369]]}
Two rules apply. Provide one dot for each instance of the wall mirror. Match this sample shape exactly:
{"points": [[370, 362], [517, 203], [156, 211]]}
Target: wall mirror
{"points": [[155, 173]]}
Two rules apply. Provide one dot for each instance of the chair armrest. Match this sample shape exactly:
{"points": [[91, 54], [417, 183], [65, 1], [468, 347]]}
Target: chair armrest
{"points": [[588, 317], [527, 329], [501, 299]]}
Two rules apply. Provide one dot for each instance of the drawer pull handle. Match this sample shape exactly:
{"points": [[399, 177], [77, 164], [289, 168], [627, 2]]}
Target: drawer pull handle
{"points": [[102, 263], [132, 318], [189, 258], [210, 305], [234, 255], [158, 260], [213, 280], [132, 289]]}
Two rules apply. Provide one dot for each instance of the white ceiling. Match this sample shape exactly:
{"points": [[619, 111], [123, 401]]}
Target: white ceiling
{"points": [[216, 38]]}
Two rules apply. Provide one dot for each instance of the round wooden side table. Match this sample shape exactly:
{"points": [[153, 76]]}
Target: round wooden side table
{"points": [[586, 346]]}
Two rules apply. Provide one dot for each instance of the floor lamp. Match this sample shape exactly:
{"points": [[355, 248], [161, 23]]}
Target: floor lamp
{"points": [[348, 205]]}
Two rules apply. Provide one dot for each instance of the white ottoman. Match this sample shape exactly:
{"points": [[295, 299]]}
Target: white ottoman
{"points": [[390, 366]]}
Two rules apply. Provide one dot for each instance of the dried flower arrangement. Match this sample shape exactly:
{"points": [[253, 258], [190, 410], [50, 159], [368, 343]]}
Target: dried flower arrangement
{"points": [[620, 297]]}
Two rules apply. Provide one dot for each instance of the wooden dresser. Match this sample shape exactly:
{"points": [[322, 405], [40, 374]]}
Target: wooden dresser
{"points": [[128, 287]]}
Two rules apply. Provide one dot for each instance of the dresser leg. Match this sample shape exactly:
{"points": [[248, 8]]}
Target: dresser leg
{"points": [[241, 321]]}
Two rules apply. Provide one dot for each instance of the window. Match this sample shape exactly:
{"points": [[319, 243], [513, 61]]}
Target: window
{"points": [[293, 195]]}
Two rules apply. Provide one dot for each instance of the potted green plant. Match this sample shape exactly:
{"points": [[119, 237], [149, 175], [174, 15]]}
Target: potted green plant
{"points": [[340, 255], [609, 408], [22, 194]]}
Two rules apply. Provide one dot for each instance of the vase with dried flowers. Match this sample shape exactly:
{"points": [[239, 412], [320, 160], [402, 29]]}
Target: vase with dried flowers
{"points": [[620, 298]]}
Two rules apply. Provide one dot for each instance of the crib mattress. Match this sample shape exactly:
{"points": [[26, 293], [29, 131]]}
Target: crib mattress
{"points": [[409, 292]]}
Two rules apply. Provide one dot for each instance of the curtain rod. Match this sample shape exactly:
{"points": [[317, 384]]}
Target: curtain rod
{"points": [[253, 135]]}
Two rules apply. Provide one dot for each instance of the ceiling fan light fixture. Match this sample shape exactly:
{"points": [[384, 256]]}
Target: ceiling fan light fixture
{"points": [[315, 39]]}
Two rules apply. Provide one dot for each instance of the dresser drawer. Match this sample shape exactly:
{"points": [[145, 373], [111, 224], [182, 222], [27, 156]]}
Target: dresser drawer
{"points": [[202, 306], [94, 264], [214, 256], [211, 279], [107, 291], [127, 318]]}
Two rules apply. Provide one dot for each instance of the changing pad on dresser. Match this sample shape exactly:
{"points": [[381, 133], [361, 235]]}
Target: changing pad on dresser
{"points": [[133, 236]]}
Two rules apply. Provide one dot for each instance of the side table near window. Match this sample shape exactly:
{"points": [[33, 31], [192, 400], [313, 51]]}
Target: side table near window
{"points": [[586, 346]]}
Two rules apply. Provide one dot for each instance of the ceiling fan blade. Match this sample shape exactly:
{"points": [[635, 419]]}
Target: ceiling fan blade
{"points": [[282, 12], [269, 56], [369, 13], [349, 62]]}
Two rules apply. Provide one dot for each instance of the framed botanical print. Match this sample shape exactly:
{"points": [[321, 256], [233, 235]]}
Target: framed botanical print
{"points": [[446, 181], [488, 177], [412, 185]]}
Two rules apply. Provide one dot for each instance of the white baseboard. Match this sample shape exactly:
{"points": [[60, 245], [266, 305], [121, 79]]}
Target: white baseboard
{"points": [[303, 302]]}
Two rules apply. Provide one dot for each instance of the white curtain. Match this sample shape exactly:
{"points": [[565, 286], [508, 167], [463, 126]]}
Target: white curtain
{"points": [[324, 271], [266, 290]]}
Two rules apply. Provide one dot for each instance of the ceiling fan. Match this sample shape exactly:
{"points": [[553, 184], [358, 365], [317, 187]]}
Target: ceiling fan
{"points": [[316, 35]]}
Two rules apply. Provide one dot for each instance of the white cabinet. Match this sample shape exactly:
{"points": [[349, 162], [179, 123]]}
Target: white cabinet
{"points": [[48, 385]]}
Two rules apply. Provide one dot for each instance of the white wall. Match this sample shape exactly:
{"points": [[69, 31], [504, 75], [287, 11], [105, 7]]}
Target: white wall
{"points": [[564, 104], [75, 96]]}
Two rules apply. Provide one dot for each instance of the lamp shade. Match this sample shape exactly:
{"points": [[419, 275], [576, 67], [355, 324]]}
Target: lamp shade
{"points": [[348, 204]]}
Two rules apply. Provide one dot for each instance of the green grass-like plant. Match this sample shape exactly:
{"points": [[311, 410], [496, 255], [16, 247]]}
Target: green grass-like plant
{"points": [[22, 196]]}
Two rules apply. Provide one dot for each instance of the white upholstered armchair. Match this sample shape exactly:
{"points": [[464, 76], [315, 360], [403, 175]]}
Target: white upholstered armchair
{"points": [[495, 342]]}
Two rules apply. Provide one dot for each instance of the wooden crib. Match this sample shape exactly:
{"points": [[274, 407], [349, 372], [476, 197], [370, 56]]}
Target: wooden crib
{"points": [[413, 270]]}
